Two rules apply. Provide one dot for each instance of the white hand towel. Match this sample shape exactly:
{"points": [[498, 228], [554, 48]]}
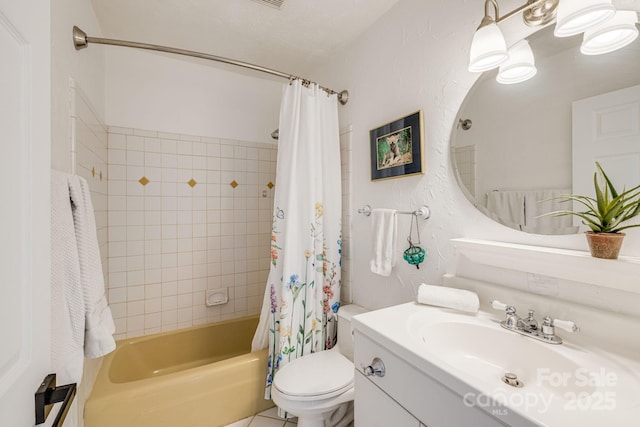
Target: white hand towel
{"points": [[441, 296], [67, 304], [99, 326], [508, 206], [384, 230], [539, 202]]}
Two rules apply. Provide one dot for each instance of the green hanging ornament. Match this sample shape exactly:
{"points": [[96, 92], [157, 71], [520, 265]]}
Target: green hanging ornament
{"points": [[414, 254]]}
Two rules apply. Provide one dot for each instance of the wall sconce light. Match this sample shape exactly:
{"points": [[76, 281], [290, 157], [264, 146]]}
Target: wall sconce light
{"points": [[576, 16], [611, 35], [520, 66], [604, 28], [488, 47]]}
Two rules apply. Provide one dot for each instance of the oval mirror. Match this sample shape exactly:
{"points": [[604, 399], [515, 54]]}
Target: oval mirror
{"points": [[512, 144]]}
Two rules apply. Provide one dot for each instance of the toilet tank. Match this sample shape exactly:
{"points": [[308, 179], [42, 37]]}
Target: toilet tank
{"points": [[345, 336]]}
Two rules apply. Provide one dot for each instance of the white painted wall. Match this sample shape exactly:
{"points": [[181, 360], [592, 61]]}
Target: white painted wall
{"points": [[85, 67], [416, 58], [187, 96]]}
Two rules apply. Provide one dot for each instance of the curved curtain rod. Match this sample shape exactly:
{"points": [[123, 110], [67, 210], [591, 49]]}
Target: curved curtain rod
{"points": [[81, 41]]}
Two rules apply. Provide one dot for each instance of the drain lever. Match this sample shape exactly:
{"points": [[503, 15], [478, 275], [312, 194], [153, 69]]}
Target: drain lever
{"points": [[512, 379]]}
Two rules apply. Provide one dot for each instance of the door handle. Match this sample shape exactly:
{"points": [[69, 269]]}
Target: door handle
{"points": [[48, 394]]}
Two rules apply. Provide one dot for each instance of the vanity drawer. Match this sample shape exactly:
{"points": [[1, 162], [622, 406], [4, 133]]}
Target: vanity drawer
{"points": [[426, 399]]}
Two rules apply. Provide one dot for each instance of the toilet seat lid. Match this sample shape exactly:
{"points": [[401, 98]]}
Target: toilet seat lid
{"points": [[322, 373]]}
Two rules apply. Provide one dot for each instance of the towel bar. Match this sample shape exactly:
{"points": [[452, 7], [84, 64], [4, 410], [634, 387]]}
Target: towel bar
{"points": [[423, 211]]}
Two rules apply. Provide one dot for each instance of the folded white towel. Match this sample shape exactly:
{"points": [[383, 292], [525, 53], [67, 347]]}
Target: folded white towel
{"points": [[384, 231], [457, 299], [99, 326]]}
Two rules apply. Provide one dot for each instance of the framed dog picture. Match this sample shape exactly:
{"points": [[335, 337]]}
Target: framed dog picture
{"points": [[396, 148]]}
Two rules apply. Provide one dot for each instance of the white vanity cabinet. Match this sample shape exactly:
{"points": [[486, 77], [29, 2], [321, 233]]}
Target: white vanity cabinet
{"points": [[405, 396], [374, 408]]}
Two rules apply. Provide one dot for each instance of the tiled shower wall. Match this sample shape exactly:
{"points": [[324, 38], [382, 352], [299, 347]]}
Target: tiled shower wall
{"points": [[346, 296], [89, 159], [466, 166], [186, 214]]}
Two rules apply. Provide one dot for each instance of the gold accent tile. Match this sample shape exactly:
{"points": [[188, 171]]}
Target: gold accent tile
{"points": [[93, 172], [192, 183], [270, 185], [144, 180], [100, 175], [233, 184]]}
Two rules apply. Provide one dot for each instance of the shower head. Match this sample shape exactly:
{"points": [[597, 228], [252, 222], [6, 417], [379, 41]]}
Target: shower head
{"points": [[275, 134], [465, 124]]}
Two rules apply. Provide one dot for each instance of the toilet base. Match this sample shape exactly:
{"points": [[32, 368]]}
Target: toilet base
{"points": [[311, 421], [342, 416]]}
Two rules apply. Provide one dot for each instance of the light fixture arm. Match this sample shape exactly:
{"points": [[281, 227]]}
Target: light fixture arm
{"points": [[523, 8], [488, 20], [516, 11], [496, 8]]}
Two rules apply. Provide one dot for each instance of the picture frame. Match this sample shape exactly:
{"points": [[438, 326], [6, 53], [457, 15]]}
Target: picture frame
{"points": [[396, 148]]}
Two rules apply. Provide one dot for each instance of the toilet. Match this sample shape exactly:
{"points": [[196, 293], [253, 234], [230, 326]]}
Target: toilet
{"points": [[319, 388]]}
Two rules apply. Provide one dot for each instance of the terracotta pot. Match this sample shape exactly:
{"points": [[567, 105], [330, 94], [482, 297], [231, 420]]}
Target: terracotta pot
{"points": [[604, 245]]}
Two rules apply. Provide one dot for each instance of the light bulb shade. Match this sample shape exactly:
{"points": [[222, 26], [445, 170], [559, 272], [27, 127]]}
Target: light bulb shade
{"points": [[488, 49], [520, 66], [611, 35], [576, 16]]}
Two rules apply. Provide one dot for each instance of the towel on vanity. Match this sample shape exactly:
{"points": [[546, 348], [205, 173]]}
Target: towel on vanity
{"points": [[99, 326], [384, 230], [67, 305], [441, 296]]}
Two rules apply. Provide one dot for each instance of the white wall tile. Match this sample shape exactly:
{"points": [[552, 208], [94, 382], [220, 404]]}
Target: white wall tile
{"points": [[135, 158], [164, 239], [135, 143], [152, 305], [152, 320]]}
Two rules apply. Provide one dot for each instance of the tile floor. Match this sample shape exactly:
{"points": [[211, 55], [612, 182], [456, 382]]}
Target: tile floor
{"points": [[268, 418]]}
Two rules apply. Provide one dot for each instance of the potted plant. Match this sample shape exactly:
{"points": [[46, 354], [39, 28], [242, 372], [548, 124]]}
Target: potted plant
{"points": [[606, 214]]}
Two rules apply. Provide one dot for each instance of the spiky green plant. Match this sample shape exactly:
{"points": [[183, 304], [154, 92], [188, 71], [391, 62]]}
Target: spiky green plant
{"points": [[608, 211]]}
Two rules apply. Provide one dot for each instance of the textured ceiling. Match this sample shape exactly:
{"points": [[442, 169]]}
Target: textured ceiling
{"points": [[292, 39]]}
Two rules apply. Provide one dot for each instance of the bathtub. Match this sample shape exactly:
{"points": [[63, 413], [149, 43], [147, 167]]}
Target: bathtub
{"points": [[204, 376]]}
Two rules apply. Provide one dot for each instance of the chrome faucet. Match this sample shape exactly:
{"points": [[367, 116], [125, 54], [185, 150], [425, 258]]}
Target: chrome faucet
{"points": [[530, 322], [530, 326]]}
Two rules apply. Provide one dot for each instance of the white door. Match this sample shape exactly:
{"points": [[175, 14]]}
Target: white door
{"points": [[25, 135], [606, 129]]}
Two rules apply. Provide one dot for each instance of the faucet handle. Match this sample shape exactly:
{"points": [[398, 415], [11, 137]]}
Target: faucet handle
{"points": [[567, 325], [497, 305], [549, 324], [511, 310]]}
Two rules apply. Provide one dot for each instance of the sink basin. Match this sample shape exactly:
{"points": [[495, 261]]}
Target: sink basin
{"points": [[487, 353], [478, 351]]}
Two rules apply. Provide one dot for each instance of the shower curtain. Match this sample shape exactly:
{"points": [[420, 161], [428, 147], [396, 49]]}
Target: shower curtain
{"points": [[303, 288]]}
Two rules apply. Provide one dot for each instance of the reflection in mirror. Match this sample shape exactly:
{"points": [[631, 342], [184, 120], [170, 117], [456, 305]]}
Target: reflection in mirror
{"points": [[512, 144]]}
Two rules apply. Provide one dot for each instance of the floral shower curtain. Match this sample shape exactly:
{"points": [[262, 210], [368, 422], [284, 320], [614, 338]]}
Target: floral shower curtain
{"points": [[303, 288]]}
